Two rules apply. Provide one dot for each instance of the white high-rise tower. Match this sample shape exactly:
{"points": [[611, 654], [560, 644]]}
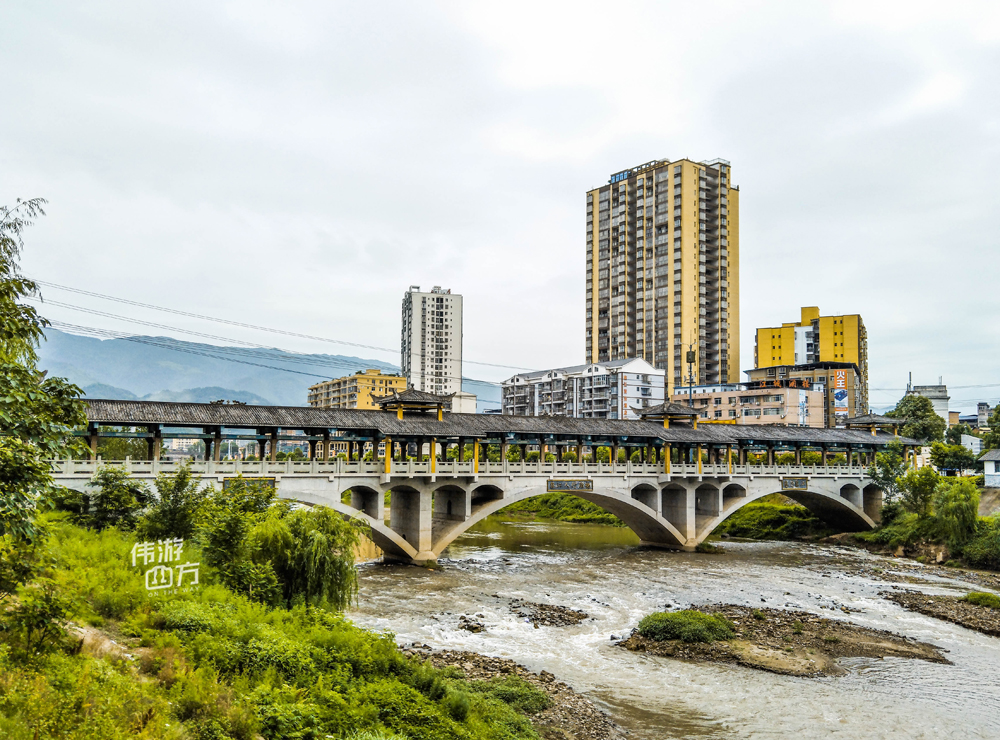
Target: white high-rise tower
{"points": [[431, 344]]}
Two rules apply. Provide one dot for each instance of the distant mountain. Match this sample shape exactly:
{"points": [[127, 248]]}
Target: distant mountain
{"points": [[101, 390], [163, 368], [207, 395]]}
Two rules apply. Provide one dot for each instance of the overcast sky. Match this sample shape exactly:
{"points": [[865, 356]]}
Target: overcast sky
{"points": [[299, 165]]}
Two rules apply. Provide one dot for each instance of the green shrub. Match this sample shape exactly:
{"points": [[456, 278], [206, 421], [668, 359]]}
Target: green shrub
{"points": [[515, 692], [980, 598], [36, 620], [689, 625], [797, 627]]}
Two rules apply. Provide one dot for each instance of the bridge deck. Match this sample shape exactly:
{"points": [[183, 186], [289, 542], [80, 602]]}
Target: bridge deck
{"points": [[451, 468]]}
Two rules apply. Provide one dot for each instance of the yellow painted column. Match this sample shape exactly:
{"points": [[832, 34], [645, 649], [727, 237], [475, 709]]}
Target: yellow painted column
{"points": [[388, 455], [399, 413], [729, 458], [699, 459], [433, 454], [475, 456], [667, 453]]}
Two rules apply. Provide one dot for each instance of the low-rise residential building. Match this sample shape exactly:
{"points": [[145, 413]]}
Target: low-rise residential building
{"points": [[845, 395], [991, 468], [354, 391], [789, 402], [601, 390], [971, 443]]}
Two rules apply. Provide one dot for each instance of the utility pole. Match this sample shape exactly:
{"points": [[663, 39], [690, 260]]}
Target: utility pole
{"points": [[690, 362]]}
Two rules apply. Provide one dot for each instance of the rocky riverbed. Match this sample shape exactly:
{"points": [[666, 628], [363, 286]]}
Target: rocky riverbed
{"points": [[570, 716], [951, 609], [547, 615], [794, 643]]}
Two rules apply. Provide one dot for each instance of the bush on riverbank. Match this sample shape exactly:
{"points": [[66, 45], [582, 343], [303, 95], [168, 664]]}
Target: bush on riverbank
{"points": [[215, 664], [688, 625], [562, 507], [939, 512], [981, 598], [771, 519]]}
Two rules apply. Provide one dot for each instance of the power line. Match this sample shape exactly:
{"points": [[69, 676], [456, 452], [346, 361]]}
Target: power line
{"points": [[249, 326], [288, 356], [216, 355]]}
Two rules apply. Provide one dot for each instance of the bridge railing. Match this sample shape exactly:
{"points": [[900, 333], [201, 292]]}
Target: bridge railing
{"points": [[413, 468]]}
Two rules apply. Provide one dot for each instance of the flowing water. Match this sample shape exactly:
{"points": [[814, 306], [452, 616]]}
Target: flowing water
{"points": [[602, 571]]}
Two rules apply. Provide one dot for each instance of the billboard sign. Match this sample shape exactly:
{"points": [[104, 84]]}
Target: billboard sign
{"points": [[841, 409]]}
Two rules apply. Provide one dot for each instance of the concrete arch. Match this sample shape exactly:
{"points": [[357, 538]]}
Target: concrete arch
{"points": [[391, 543], [642, 519], [830, 506]]}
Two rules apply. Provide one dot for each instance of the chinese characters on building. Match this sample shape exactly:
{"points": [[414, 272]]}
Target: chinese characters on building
{"points": [[162, 561]]}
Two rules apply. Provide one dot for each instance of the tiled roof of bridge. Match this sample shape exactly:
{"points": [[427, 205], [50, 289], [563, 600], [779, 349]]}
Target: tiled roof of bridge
{"points": [[411, 395], [874, 419], [137, 413]]}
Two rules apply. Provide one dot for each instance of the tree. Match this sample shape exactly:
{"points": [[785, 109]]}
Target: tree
{"points": [[953, 435], [119, 500], [952, 457], [36, 412], [176, 509], [956, 505], [918, 487], [921, 421], [21, 328], [888, 467], [312, 554]]}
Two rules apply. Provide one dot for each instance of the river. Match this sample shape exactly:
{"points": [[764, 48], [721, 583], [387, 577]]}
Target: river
{"points": [[602, 571]]}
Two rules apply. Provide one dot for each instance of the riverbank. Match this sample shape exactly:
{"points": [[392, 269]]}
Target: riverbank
{"points": [[951, 609], [569, 715], [794, 643]]}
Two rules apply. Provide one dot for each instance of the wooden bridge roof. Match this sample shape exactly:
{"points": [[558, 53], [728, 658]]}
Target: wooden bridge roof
{"points": [[470, 426]]}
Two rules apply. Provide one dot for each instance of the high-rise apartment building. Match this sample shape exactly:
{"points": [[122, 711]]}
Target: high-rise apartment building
{"points": [[663, 269], [816, 340], [431, 344]]}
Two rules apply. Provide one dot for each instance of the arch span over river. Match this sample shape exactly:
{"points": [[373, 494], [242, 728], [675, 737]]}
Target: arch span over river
{"points": [[672, 499]]}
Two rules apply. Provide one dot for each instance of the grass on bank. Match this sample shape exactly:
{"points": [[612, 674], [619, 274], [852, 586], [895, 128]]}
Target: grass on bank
{"points": [[688, 625], [981, 598], [772, 518], [211, 664], [561, 507]]}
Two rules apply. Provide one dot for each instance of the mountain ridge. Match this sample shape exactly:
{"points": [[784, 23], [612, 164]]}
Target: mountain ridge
{"points": [[168, 369]]}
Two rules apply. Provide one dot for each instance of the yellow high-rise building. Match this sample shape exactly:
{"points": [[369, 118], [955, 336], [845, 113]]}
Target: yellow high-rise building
{"points": [[354, 391], [818, 341], [663, 270]]}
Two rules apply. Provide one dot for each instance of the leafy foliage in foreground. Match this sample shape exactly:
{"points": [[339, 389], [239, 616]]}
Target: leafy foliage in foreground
{"points": [[215, 664], [688, 625]]}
